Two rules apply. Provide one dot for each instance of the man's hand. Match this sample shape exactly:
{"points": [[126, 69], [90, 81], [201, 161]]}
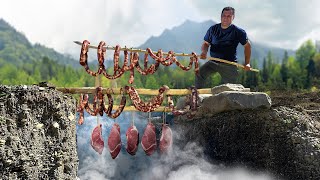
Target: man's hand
{"points": [[247, 67], [204, 50], [203, 55]]}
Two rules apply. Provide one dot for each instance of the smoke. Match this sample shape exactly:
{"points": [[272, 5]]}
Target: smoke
{"points": [[184, 161]]}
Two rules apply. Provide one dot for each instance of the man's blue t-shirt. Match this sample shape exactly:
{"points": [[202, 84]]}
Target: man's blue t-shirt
{"points": [[224, 42]]}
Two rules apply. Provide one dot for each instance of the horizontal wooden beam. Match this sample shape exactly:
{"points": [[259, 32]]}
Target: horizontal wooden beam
{"points": [[132, 108], [131, 49], [92, 90]]}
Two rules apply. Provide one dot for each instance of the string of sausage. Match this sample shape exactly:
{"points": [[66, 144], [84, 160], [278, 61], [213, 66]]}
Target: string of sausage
{"points": [[134, 61], [99, 97], [108, 110], [192, 102], [150, 106]]}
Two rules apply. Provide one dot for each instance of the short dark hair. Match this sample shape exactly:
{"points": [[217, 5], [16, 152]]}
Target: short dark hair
{"points": [[228, 9]]}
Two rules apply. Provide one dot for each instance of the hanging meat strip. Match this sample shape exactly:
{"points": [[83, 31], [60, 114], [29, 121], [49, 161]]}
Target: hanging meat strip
{"points": [[148, 141], [114, 141], [166, 138], [132, 135], [96, 139]]}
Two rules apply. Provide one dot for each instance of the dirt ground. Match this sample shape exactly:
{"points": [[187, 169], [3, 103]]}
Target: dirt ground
{"points": [[308, 103]]}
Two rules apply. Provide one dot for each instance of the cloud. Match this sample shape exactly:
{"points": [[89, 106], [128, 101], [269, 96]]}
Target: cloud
{"points": [[57, 24]]}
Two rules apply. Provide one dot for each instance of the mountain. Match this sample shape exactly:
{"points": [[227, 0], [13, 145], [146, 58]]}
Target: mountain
{"points": [[15, 48], [188, 37]]}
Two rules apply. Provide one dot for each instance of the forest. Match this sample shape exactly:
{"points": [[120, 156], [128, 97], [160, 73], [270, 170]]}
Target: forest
{"points": [[299, 72]]}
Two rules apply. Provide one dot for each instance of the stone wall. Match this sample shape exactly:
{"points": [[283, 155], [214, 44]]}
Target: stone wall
{"points": [[37, 134]]}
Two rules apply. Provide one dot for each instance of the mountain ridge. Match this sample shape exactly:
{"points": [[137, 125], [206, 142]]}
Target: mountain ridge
{"points": [[15, 48]]}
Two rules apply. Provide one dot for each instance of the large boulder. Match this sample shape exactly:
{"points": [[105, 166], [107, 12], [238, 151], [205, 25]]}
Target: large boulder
{"points": [[233, 100], [229, 87], [227, 97]]}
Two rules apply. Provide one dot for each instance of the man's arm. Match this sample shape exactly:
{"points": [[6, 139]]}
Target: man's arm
{"points": [[204, 50], [247, 55]]}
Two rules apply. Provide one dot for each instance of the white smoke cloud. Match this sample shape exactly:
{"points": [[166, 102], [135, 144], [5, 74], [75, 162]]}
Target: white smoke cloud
{"points": [[184, 161]]}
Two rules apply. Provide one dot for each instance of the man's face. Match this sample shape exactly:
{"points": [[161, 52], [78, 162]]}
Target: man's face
{"points": [[226, 18]]}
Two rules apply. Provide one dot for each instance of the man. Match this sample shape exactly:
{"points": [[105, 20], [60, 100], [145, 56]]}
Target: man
{"points": [[223, 39]]}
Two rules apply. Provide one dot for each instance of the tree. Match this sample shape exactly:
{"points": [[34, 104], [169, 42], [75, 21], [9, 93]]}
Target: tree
{"points": [[284, 68], [265, 74], [151, 83], [305, 52], [316, 60]]}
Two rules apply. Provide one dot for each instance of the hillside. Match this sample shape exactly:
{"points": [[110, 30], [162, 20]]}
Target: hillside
{"points": [[15, 48], [188, 38]]}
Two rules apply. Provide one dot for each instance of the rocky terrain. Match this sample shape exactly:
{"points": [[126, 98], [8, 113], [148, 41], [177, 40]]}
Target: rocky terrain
{"points": [[283, 139], [37, 134]]}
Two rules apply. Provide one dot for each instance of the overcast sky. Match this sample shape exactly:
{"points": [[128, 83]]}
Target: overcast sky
{"points": [[55, 24]]}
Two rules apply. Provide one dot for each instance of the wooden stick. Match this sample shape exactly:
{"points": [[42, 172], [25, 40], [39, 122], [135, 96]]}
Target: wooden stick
{"points": [[132, 108], [92, 90], [131, 49], [230, 62], [165, 53]]}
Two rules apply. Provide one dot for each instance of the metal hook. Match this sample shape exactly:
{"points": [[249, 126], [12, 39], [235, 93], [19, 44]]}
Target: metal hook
{"points": [[164, 121], [149, 116]]}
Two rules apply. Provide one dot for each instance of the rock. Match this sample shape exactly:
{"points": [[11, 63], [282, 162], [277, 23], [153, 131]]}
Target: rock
{"points": [[232, 100], [46, 84], [2, 142], [282, 140], [181, 102], [71, 117], [39, 126], [55, 124], [229, 87], [30, 149], [203, 96]]}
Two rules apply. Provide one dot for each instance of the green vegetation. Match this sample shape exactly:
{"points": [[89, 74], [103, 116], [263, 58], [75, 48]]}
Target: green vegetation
{"points": [[24, 63], [294, 73]]}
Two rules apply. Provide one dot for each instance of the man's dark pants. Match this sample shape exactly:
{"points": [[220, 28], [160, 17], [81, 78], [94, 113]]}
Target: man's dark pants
{"points": [[229, 73]]}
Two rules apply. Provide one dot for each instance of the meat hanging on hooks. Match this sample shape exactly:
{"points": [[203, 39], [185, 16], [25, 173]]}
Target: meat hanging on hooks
{"points": [[191, 101], [85, 105], [84, 57], [134, 61], [80, 109], [108, 110], [150, 106], [98, 106], [117, 71]]}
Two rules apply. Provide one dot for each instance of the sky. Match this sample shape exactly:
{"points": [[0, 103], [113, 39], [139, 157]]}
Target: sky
{"points": [[56, 24]]}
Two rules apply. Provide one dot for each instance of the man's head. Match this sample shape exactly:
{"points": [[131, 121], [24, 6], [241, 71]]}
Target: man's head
{"points": [[227, 16]]}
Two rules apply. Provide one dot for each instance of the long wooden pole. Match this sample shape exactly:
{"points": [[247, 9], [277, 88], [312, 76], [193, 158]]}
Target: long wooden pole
{"points": [[132, 108], [92, 90], [165, 53], [131, 49], [229, 62]]}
